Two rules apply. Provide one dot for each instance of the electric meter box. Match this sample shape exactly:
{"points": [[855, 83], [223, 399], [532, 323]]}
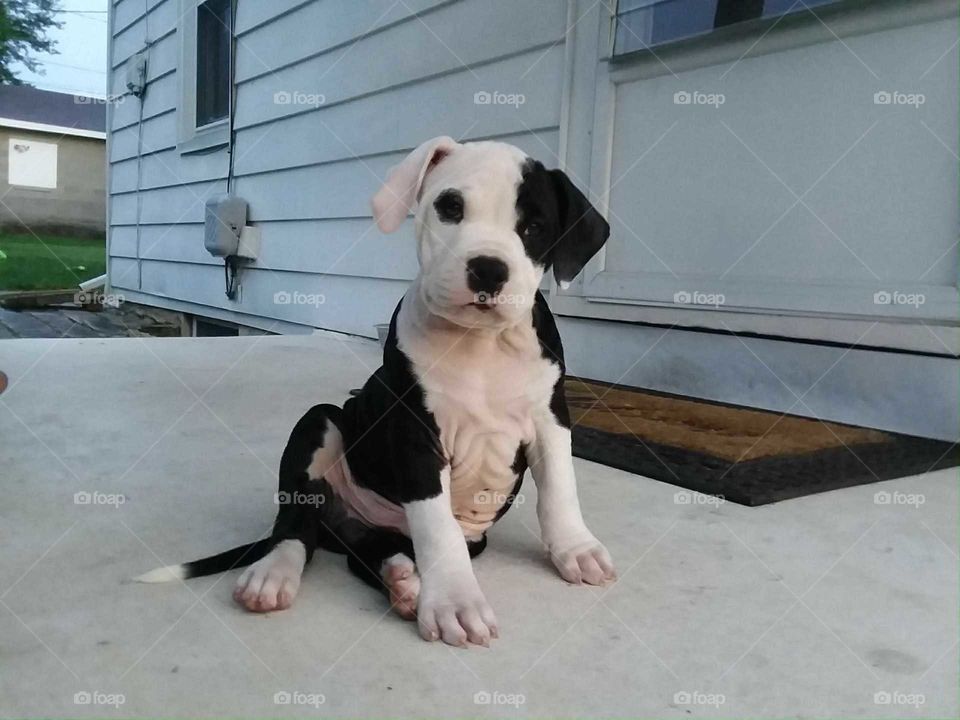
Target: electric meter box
{"points": [[224, 218]]}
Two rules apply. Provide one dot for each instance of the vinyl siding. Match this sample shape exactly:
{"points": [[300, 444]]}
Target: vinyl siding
{"points": [[391, 75]]}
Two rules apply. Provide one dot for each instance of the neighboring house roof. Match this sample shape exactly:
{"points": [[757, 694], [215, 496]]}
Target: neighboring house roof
{"points": [[29, 108]]}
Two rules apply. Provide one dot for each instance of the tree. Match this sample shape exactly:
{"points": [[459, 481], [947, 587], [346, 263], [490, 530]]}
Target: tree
{"points": [[24, 25]]}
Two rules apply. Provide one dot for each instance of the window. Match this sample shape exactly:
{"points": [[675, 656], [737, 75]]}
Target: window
{"points": [[205, 35], [32, 164], [213, 61], [642, 24]]}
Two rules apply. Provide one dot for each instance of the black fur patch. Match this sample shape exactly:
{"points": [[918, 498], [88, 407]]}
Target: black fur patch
{"points": [[551, 348], [557, 224], [449, 206], [392, 441], [538, 215]]}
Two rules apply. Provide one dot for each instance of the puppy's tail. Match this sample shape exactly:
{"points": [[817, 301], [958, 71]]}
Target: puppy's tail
{"points": [[237, 557]]}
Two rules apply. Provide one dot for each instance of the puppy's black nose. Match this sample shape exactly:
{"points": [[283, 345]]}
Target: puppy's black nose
{"points": [[486, 274]]}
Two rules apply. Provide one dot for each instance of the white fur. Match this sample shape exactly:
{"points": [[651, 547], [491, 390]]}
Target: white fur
{"points": [[487, 174], [163, 574], [451, 606], [272, 582], [483, 388], [575, 552]]}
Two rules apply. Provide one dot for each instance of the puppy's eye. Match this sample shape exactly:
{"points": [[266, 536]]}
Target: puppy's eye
{"points": [[449, 206], [532, 229]]}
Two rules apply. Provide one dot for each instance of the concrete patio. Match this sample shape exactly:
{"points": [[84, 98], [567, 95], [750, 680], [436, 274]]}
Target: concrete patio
{"points": [[827, 606]]}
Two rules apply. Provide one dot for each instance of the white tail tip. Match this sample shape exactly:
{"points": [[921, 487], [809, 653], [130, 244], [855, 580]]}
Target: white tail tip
{"points": [[163, 574]]}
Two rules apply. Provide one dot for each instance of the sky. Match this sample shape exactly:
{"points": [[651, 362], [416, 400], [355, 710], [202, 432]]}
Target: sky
{"points": [[80, 65]]}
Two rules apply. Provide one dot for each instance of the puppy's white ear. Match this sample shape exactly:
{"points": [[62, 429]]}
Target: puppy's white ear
{"points": [[400, 192]]}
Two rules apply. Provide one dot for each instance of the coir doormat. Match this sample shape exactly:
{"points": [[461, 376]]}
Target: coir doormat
{"points": [[747, 456]]}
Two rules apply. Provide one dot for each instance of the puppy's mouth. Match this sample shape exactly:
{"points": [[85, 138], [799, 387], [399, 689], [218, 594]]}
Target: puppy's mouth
{"points": [[483, 306]]}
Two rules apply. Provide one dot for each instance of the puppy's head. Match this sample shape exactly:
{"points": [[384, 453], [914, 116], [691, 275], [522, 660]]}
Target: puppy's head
{"points": [[489, 222]]}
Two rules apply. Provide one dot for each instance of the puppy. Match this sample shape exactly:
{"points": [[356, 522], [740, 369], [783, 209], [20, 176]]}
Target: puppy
{"points": [[408, 476]]}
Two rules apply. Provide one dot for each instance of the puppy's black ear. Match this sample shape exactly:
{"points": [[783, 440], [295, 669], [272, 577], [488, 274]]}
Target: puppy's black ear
{"points": [[583, 231]]}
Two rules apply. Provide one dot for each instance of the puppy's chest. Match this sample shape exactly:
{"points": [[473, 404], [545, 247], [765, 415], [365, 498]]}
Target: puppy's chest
{"points": [[484, 404]]}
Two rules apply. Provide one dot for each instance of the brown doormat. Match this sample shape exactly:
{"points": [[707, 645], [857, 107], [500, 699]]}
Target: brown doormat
{"points": [[747, 456]]}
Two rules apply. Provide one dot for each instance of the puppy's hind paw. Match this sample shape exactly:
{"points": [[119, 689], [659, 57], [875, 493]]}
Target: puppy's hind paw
{"points": [[403, 584], [272, 582]]}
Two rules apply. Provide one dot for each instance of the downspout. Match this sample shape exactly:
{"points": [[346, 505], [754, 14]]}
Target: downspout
{"points": [[146, 46]]}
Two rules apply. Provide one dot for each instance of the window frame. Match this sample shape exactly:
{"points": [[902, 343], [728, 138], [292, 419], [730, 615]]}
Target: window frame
{"points": [[756, 27], [214, 135]]}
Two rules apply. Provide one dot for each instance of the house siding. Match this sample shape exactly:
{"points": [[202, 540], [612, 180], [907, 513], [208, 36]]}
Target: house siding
{"points": [[308, 170]]}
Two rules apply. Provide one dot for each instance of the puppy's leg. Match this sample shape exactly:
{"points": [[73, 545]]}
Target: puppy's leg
{"points": [[314, 445], [575, 552], [384, 560], [451, 607]]}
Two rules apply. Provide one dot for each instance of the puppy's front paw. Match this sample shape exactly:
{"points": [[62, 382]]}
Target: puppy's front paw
{"points": [[586, 561], [455, 611]]}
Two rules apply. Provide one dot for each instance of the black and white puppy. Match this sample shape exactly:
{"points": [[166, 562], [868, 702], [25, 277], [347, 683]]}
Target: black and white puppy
{"points": [[409, 475]]}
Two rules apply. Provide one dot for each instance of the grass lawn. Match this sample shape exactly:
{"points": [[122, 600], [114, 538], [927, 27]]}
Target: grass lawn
{"points": [[54, 263]]}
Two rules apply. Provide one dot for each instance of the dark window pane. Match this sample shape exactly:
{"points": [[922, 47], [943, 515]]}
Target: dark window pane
{"points": [[646, 23], [213, 61]]}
